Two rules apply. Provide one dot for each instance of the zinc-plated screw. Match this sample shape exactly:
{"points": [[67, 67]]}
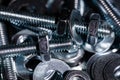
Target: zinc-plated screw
{"points": [[14, 50], [26, 18], [9, 68], [3, 38], [108, 11], [7, 51], [82, 29], [8, 61]]}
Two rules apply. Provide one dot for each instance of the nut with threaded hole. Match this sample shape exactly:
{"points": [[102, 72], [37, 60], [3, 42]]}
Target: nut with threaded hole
{"points": [[79, 29]]}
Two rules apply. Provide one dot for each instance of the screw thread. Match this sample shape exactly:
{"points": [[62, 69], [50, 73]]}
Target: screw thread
{"points": [[8, 61], [105, 7], [14, 50], [26, 18], [9, 69], [60, 40], [82, 29], [3, 35], [61, 51]]}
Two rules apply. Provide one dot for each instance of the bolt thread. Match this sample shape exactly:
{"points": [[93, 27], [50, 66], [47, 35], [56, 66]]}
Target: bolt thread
{"points": [[8, 65], [1, 69], [61, 51], [60, 40], [14, 50], [3, 35], [109, 12], [82, 29], [26, 18], [9, 69]]}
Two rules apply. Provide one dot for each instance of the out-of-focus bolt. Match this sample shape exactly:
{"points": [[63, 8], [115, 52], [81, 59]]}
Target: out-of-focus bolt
{"points": [[7, 62], [26, 18]]}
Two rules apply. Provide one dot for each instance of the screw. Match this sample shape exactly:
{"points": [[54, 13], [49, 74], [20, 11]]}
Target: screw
{"points": [[108, 12], [80, 6], [3, 41], [13, 50], [82, 28], [9, 69], [67, 52], [8, 61], [26, 18]]}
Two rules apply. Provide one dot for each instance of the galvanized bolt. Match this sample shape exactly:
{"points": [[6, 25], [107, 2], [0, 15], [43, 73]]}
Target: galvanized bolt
{"points": [[26, 18], [82, 28], [109, 14], [14, 50], [7, 62]]}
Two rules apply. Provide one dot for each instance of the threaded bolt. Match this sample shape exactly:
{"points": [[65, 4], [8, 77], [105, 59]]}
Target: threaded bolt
{"points": [[8, 61], [106, 8], [82, 29], [9, 68], [26, 18], [3, 38], [13, 50]]}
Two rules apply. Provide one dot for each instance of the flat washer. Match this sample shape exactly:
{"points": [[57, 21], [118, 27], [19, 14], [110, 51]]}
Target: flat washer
{"points": [[100, 65]]}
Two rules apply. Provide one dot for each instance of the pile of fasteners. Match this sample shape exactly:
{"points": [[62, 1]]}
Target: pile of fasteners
{"points": [[59, 40]]}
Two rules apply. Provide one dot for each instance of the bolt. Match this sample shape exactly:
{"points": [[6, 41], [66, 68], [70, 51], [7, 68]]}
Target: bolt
{"points": [[108, 11], [67, 52], [8, 64], [3, 38], [82, 28], [13, 50], [26, 18], [80, 6], [3, 41], [8, 61], [9, 51]]}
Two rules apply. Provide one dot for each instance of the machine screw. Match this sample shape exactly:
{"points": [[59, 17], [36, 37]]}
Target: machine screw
{"points": [[93, 35], [108, 11], [13, 50], [26, 18], [8, 61], [82, 29]]}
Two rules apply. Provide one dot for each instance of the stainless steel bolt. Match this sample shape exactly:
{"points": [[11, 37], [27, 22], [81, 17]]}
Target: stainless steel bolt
{"points": [[8, 64]]}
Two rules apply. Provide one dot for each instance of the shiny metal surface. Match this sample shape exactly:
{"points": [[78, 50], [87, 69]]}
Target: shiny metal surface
{"points": [[47, 68]]}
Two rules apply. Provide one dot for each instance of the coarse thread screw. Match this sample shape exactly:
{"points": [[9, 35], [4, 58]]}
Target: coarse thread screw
{"points": [[26, 18], [7, 51], [82, 29], [9, 69], [8, 61], [14, 50], [3, 38], [109, 12]]}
